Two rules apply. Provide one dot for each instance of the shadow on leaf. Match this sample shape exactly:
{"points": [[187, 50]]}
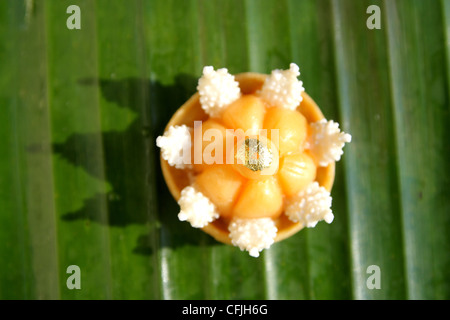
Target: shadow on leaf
{"points": [[129, 162]]}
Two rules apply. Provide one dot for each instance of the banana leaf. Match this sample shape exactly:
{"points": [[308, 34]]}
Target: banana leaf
{"points": [[80, 178]]}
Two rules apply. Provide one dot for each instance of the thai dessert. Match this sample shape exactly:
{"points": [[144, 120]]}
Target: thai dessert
{"points": [[250, 158]]}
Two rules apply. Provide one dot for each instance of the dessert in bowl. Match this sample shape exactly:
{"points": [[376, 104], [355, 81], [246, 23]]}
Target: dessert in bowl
{"points": [[250, 158]]}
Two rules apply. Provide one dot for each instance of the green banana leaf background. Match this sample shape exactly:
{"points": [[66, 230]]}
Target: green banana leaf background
{"points": [[80, 178]]}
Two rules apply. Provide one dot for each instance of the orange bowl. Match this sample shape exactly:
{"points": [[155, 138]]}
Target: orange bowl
{"points": [[191, 111]]}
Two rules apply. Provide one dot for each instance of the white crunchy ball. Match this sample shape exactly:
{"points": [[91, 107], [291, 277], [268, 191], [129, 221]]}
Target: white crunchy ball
{"points": [[283, 89], [253, 235], [175, 146], [326, 141], [196, 208], [310, 206], [217, 90]]}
